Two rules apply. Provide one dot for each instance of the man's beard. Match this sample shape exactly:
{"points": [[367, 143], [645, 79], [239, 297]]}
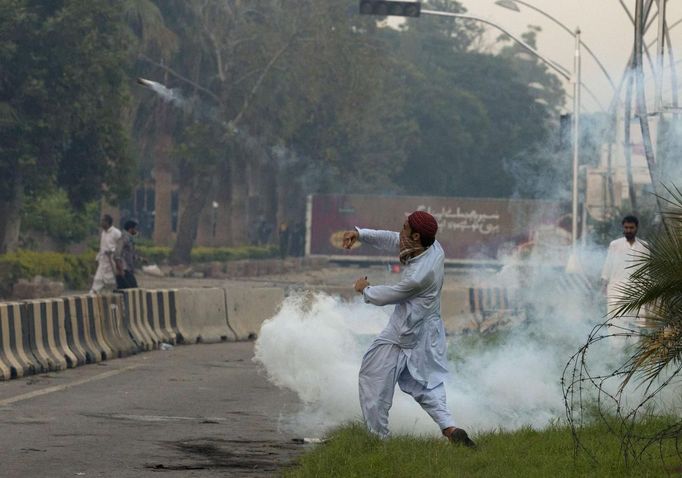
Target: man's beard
{"points": [[629, 235]]}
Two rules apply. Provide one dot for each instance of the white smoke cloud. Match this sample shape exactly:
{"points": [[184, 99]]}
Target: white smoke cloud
{"points": [[314, 346], [315, 343]]}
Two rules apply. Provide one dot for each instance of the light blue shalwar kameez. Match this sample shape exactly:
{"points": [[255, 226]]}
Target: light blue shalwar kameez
{"points": [[411, 351]]}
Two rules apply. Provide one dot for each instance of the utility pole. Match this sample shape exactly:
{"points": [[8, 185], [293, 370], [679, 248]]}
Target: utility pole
{"points": [[660, 52], [658, 101], [576, 137], [642, 113]]}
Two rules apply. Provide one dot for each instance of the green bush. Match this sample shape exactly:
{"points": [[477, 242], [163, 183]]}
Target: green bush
{"points": [[154, 254], [209, 254], [75, 271], [54, 216], [160, 254]]}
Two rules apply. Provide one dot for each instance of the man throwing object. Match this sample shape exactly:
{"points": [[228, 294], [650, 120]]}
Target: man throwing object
{"points": [[411, 351]]}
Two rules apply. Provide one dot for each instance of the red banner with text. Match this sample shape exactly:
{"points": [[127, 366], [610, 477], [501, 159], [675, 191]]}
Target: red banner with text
{"points": [[469, 229]]}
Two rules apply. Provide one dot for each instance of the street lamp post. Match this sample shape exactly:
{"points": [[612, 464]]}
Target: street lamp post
{"points": [[577, 89], [576, 138], [549, 62], [513, 5], [660, 52], [215, 222]]}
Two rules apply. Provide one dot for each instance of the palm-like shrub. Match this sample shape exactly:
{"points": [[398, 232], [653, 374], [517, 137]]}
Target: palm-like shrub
{"points": [[653, 348], [654, 293]]}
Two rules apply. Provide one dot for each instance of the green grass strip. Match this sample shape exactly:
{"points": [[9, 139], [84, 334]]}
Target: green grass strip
{"points": [[352, 452]]}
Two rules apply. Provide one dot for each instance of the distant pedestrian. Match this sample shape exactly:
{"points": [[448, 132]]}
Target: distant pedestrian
{"points": [[298, 240], [105, 275], [283, 233], [126, 257], [263, 231], [623, 254]]}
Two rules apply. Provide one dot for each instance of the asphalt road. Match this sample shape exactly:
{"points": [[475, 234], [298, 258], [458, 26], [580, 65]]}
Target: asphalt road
{"points": [[199, 410]]}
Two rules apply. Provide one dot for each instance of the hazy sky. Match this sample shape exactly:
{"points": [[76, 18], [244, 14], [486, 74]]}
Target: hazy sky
{"points": [[605, 27]]}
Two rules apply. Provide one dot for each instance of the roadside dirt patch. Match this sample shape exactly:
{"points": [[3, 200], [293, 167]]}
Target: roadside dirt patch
{"points": [[240, 457]]}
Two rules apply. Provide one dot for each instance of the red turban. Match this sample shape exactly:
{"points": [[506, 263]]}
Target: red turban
{"points": [[423, 223]]}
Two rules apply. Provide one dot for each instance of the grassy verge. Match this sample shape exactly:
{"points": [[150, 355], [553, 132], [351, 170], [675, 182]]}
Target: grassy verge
{"points": [[352, 452]]}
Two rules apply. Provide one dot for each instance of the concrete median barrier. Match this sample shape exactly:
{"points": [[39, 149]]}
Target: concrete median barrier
{"points": [[344, 292], [202, 315], [38, 332], [14, 358], [44, 320], [115, 333], [135, 319], [97, 327], [53, 334], [161, 314], [249, 307], [84, 326]]}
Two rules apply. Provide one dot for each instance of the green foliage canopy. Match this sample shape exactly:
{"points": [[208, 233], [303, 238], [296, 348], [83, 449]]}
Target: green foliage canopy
{"points": [[62, 95]]}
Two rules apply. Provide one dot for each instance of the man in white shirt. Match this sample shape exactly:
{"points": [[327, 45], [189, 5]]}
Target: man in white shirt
{"points": [[621, 261], [411, 351], [106, 267]]}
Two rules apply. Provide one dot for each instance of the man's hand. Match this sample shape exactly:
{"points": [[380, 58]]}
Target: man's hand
{"points": [[360, 284], [350, 238]]}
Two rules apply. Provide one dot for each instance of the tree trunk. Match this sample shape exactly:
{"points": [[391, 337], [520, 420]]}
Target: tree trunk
{"points": [[224, 199], [10, 218], [163, 189], [195, 196], [239, 188], [254, 202], [268, 192]]}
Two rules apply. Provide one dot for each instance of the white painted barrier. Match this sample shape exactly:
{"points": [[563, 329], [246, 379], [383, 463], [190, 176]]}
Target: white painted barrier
{"points": [[249, 307], [202, 316]]}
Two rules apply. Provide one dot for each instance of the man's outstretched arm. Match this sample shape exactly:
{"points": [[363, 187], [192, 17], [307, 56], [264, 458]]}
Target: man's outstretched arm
{"points": [[386, 240]]}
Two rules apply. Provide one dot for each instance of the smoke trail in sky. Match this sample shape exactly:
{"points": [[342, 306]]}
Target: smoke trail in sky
{"points": [[169, 95]]}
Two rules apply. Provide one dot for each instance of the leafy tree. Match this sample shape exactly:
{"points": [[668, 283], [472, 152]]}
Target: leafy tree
{"points": [[263, 75], [62, 99], [483, 123], [281, 102], [53, 215]]}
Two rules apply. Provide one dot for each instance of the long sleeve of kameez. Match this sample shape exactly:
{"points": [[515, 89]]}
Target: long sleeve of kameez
{"points": [[386, 240], [120, 246], [393, 294], [608, 264]]}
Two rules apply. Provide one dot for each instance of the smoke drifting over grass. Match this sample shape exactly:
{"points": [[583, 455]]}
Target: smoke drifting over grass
{"points": [[507, 379], [314, 346]]}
